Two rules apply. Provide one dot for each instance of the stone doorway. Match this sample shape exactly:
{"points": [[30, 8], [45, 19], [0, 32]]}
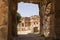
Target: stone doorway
{"points": [[9, 8], [35, 29], [31, 36], [46, 12], [30, 18]]}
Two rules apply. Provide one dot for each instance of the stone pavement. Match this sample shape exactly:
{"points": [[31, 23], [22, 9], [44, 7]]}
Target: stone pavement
{"points": [[29, 37]]}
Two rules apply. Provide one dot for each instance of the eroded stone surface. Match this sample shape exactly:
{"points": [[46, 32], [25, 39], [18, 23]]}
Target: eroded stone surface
{"points": [[3, 19]]}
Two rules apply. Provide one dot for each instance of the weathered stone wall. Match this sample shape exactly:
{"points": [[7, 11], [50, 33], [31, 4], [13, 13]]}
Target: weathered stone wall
{"points": [[47, 18], [12, 25], [57, 19], [3, 19]]}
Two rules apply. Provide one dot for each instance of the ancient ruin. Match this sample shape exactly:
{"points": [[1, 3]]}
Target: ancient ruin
{"points": [[8, 9], [29, 24]]}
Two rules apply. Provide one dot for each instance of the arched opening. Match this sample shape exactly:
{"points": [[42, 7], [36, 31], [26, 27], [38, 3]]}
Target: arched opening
{"points": [[8, 10], [30, 18], [42, 9]]}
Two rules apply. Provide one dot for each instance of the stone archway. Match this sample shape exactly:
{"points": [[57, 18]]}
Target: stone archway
{"points": [[43, 5], [10, 13]]}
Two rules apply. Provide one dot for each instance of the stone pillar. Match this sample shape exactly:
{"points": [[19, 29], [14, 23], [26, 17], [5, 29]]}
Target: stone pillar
{"points": [[3, 19], [47, 24], [42, 7], [12, 25]]}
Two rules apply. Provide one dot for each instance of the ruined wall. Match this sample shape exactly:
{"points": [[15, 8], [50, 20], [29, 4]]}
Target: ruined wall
{"points": [[3, 19], [35, 23], [7, 19], [47, 18], [12, 25], [10, 18]]}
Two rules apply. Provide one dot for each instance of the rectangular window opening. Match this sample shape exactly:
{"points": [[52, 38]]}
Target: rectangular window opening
{"points": [[29, 13]]}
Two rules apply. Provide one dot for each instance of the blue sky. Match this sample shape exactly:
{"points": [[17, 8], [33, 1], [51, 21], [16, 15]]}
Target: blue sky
{"points": [[28, 9]]}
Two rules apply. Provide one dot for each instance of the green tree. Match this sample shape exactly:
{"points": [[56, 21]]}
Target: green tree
{"points": [[18, 18]]}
